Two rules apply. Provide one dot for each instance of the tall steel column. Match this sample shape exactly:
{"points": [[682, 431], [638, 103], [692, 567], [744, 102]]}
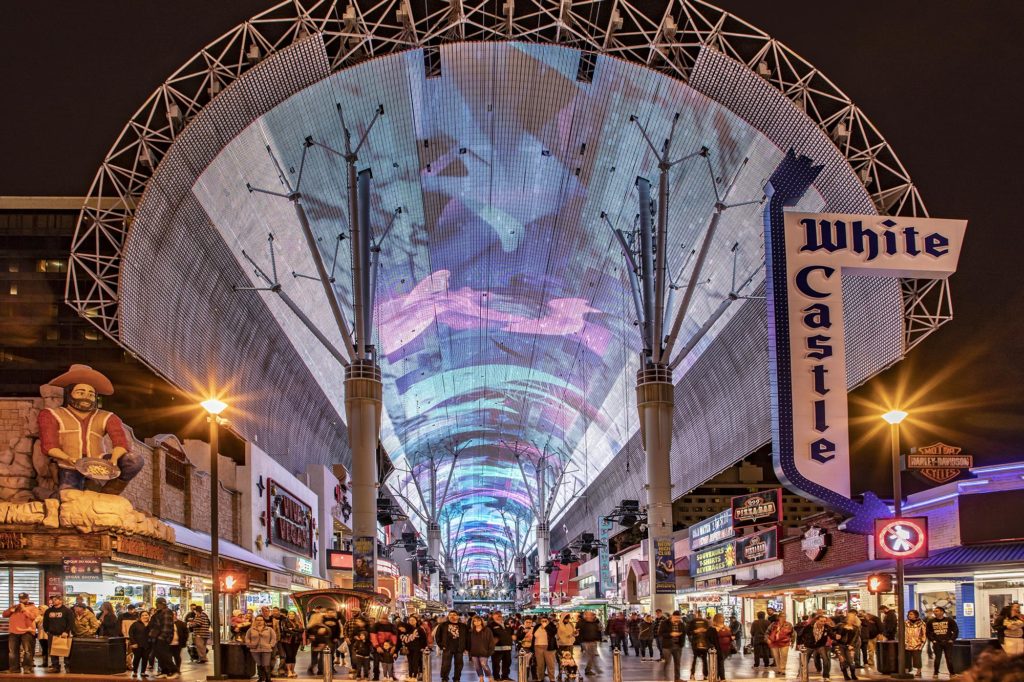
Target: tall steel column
{"points": [[434, 551], [655, 402], [363, 408], [543, 551]]}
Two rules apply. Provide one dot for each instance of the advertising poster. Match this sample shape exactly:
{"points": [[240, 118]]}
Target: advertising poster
{"points": [[665, 566], [713, 559], [90, 569], [754, 549], [363, 563]]}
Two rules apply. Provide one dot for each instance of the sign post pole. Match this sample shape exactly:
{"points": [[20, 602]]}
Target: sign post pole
{"points": [[897, 495]]}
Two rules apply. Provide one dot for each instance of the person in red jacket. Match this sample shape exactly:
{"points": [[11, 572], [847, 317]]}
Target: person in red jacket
{"points": [[723, 642], [383, 631]]}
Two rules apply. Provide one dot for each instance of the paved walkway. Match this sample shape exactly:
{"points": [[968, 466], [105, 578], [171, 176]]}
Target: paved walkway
{"points": [[633, 670]]}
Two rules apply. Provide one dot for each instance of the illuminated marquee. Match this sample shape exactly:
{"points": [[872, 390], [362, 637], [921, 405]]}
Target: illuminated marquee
{"points": [[807, 257], [290, 520]]}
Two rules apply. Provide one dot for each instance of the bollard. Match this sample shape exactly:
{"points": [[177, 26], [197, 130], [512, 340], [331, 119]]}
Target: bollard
{"points": [[712, 675], [805, 658], [524, 667], [327, 663], [428, 673], [616, 665]]}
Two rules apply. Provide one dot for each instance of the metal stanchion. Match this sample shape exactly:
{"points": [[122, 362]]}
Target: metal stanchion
{"points": [[616, 665], [428, 672], [524, 667], [805, 660], [327, 663], [712, 675]]}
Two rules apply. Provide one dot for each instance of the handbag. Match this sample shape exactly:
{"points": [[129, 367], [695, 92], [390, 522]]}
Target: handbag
{"points": [[60, 646]]}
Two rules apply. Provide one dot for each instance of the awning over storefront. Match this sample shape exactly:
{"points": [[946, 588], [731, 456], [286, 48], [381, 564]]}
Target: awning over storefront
{"points": [[971, 557], [809, 579], [201, 541]]}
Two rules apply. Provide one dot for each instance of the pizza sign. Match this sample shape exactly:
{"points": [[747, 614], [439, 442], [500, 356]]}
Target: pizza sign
{"points": [[939, 463]]}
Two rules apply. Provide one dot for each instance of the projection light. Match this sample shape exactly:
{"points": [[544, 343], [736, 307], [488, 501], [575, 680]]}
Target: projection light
{"points": [[409, 542], [630, 513], [894, 416]]}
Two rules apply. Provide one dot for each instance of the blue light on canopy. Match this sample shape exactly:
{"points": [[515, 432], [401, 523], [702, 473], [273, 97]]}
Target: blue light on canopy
{"points": [[503, 314]]}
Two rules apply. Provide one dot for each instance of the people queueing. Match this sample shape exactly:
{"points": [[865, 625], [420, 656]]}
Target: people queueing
{"points": [[21, 628], [504, 639], [942, 631]]}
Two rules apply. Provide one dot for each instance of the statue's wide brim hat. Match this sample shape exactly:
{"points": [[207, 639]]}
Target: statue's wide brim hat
{"points": [[84, 374]]}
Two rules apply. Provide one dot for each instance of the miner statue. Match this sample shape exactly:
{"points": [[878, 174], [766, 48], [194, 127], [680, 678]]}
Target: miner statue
{"points": [[73, 435]]}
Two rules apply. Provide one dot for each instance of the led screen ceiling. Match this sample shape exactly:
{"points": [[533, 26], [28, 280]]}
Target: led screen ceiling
{"points": [[503, 321]]}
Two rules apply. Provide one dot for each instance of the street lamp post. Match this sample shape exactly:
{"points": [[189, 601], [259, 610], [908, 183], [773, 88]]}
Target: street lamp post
{"points": [[894, 417], [213, 409]]}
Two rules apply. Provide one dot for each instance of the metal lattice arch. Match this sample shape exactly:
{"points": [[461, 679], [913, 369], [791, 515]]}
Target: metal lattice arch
{"points": [[669, 42]]}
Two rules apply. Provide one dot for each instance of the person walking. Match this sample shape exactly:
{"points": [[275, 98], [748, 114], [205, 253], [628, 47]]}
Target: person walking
{"points": [[844, 639], [942, 631], [414, 637], [617, 630], [452, 639], [200, 625], [1013, 632], [914, 638], [21, 628], [759, 640], [589, 636], [633, 628], [565, 638], [289, 640], [59, 622], [646, 634], [779, 638], [318, 634], [504, 638], [870, 631], [699, 632], [815, 638], [723, 642], [545, 643], [672, 637], [139, 644], [261, 640], [161, 632], [659, 619], [481, 647]]}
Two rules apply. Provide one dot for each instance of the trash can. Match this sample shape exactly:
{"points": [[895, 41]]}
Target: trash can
{"points": [[97, 656], [235, 661], [967, 651], [5, 660], [887, 656]]}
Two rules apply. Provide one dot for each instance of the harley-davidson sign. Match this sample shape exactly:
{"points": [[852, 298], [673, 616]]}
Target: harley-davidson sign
{"points": [[939, 463]]}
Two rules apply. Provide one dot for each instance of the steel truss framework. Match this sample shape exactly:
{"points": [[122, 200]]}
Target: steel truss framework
{"points": [[665, 37]]}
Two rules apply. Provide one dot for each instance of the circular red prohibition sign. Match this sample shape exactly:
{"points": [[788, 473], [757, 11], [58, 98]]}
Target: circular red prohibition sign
{"points": [[901, 538]]}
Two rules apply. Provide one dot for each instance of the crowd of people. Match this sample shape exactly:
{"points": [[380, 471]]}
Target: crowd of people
{"points": [[371, 647]]}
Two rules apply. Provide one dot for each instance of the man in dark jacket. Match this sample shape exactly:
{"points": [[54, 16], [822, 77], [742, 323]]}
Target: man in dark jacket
{"points": [[759, 639], [617, 629], [161, 632], [815, 637], [700, 634], [589, 636], [501, 659], [889, 624], [452, 638], [659, 618], [673, 637], [942, 631], [58, 621]]}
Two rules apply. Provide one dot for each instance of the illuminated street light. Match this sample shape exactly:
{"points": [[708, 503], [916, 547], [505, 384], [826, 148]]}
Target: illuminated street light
{"points": [[894, 416], [214, 407]]}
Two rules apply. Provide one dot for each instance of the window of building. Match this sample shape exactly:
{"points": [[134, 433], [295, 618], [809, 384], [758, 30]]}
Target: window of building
{"points": [[14, 581], [52, 334], [12, 266], [14, 289], [51, 266], [174, 469], [91, 334]]}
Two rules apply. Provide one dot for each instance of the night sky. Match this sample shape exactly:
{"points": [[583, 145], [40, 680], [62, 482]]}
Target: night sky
{"points": [[939, 79]]}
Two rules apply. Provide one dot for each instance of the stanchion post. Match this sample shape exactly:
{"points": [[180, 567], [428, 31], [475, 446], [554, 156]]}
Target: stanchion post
{"points": [[805, 659], [616, 665], [712, 675], [524, 667], [327, 663], [428, 673]]}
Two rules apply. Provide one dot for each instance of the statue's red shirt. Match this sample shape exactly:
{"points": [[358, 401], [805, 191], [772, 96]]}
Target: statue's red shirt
{"points": [[49, 432]]}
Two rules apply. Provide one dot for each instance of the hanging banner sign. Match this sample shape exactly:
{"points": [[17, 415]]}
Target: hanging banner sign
{"points": [[604, 584], [757, 509], [664, 566], [754, 549], [712, 530], [713, 560], [807, 257], [720, 581], [364, 563], [83, 568]]}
